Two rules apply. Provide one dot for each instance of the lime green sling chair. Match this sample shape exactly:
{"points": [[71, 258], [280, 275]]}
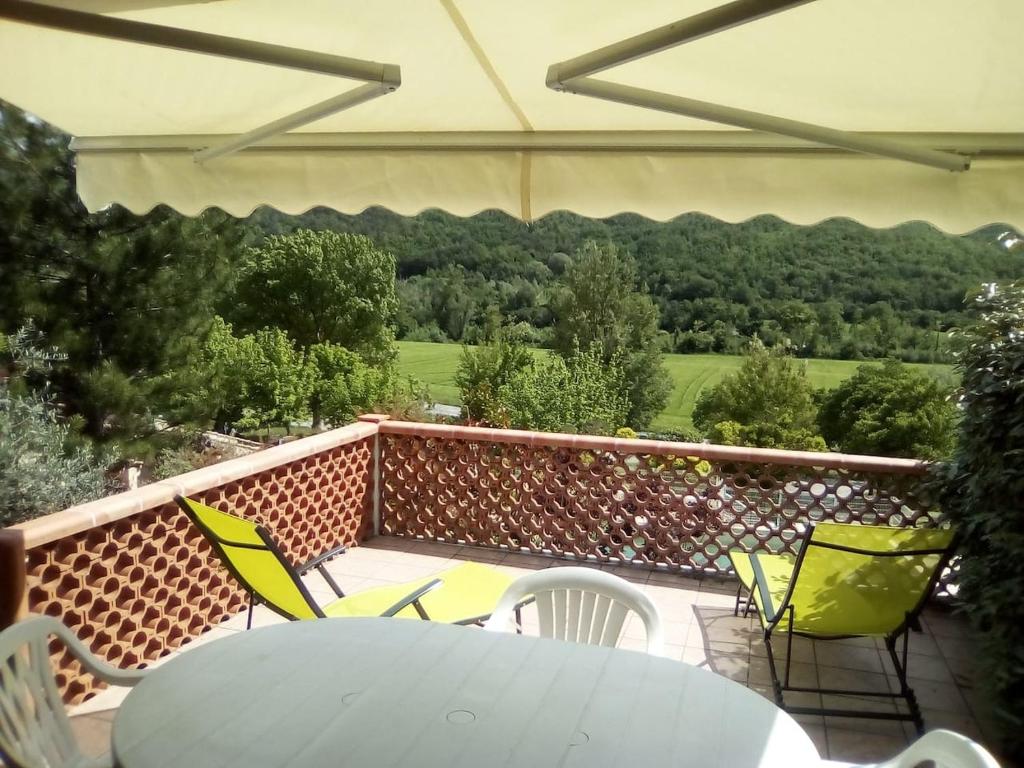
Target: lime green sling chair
{"points": [[465, 594], [846, 581]]}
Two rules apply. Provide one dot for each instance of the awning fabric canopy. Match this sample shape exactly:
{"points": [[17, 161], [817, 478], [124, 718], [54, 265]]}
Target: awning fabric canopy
{"points": [[478, 117]]}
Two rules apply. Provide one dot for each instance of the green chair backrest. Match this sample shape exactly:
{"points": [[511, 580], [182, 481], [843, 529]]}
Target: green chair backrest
{"points": [[254, 560], [865, 580]]}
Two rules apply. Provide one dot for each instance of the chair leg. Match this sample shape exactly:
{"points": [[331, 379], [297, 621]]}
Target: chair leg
{"points": [[248, 620], [776, 684], [519, 620], [899, 662], [739, 592]]}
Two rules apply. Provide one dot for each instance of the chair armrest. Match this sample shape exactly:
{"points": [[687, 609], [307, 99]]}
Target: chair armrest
{"points": [[761, 585], [413, 599], [96, 667], [320, 559]]}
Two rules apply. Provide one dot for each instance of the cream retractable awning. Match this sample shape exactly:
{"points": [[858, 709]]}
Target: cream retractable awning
{"points": [[883, 111]]}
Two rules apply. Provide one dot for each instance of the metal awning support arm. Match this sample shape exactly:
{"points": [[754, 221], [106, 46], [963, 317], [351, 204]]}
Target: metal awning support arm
{"points": [[573, 76], [379, 79], [756, 121]]}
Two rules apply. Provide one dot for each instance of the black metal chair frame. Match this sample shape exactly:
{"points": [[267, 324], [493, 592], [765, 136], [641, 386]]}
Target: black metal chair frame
{"points": [[900, 636]]}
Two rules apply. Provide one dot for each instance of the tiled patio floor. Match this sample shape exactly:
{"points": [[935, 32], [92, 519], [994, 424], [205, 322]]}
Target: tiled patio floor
{"points": [[700, 629]]}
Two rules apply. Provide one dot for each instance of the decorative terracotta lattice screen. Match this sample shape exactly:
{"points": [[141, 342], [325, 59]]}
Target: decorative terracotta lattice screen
{"points": [[674, 505], [136, 588]]}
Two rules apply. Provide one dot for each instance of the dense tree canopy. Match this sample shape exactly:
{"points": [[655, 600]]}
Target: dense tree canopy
{"points": [[889, 410], [124, 296], [836, 289], [321, 287]]}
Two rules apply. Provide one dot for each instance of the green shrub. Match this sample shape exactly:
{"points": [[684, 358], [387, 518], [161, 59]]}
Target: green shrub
{"points": [[981, 490], [485, 369], [579, 394], [41, 469], [767, 403]]}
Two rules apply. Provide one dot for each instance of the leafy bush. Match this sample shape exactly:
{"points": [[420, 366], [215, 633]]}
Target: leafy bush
{"points": [[578, 394], [767, 403], [41, 469], [981, 489], [171, 462], [485, 369], [889, 410], [344, 386]]}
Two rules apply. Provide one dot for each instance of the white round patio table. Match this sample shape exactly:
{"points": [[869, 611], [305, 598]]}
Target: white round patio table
{"points": [[393, 692]]}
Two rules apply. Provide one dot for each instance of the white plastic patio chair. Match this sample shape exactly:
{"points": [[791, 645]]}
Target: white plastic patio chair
{"points": [[944, 749], [581, 605], [34, 727]]}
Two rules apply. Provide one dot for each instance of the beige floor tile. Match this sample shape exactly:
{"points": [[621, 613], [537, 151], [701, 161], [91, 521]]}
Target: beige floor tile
{"points": [[921, 643], [849, 657], [803, 649], [719, 587], [92, 734], [735, 666], [107, 700], [946, 625], [481, 555], [713, 599], [851, 679], [943, 696], [954, 721], [395, 543], [923, 667], [819, 736], [633, 575], [673, 579], [720, 626], [801, 674], [853, 746], [962, 647]]}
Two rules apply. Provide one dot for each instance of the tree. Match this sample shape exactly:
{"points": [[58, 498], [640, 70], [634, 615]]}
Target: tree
{"points": [[599, 307], [889, 410], [580, 394], [980, 490], [767, 403], [246, 382], [128, 298], [484, 370], [343, 386], [322, 287]]}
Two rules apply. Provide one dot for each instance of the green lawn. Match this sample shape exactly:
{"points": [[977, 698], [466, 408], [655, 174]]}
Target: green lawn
{"points": [[435, 364]]}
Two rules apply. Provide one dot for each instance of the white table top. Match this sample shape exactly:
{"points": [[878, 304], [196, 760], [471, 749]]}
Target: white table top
{"points": [[392, 692]]}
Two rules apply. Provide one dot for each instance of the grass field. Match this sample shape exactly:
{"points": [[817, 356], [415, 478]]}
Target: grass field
{"points": [[435, 364]]}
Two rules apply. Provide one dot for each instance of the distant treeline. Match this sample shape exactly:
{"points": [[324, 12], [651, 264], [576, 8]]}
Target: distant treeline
{"points": [[833, 290]]}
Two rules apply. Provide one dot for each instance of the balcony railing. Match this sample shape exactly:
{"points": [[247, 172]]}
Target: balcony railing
{"points": [[135, 580]]}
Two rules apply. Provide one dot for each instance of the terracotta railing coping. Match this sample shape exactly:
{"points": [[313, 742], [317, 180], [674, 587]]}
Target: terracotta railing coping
{"points": [[658, 447], [79, 518]]}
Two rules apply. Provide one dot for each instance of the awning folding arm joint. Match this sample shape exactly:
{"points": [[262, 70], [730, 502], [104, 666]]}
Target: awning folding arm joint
{"points": [[575, 76], [378, 79]]}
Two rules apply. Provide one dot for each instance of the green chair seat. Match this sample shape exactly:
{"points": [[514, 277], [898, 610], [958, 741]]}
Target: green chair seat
{"points": [[465, 594], [847, 581]]}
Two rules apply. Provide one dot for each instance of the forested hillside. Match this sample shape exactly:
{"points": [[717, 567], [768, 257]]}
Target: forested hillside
{"points": [[835, 290]]}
